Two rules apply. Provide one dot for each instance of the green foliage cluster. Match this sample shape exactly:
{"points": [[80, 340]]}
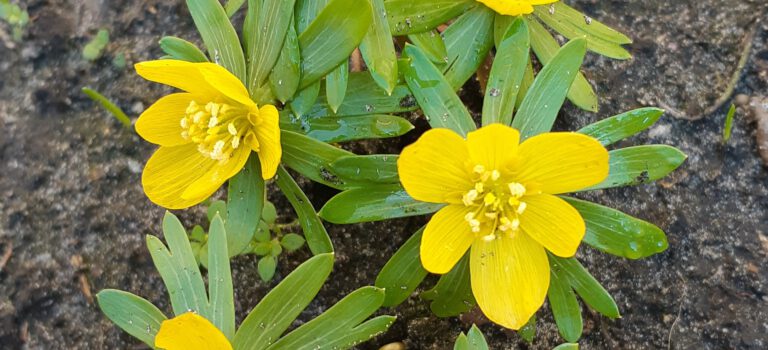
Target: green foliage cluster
{"points": [[15, 16], [296, 54]]}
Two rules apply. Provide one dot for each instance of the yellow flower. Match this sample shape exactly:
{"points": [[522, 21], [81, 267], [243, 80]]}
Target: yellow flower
{"points": [[206, 133], [501, 205], [514, 7], [190, 331]]}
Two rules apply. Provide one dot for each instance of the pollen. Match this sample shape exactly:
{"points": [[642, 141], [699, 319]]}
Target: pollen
{"points": [[217, 128], [500, 205]]}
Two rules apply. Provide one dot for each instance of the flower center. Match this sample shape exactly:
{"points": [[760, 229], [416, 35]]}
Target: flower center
{"points": [[218, 129], [496, 204]]}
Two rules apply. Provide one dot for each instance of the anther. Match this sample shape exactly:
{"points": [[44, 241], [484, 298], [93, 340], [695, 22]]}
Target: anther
{"points": [[479, 169], [489, 238], [495, 175], [516, 189], [235, 142], [231, 128], [521, 208], [213, 121], [184, 123], [489, 199]]}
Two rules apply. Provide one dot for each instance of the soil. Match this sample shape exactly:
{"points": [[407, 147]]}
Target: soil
{"points": [[73, 216]]}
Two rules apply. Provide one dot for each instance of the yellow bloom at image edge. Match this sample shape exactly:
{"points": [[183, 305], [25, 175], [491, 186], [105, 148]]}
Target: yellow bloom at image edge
{"points": [[205, 133], [502, 206], [190, 331], [514, 7]]}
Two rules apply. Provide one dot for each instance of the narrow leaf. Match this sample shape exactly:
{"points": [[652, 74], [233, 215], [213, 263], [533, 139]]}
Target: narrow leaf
{"points": [[441, 106], [218, 35], [264, 31], [275, 313], [133, 314], [616, 128], [332, 37], [347, 128], [431, 42], [305, 99], [565, 307], [453, 293], [312, 158], [377, 168], [181, 49], [640, 165], [245, 201], [546, 96], [506, 75], [367, 98], [468, 41], [546, 47], [588, 288], [286, 74], [317, 237], [109, 106], [617, 233], [409, 17], [378, 49], [222, 302], [374, 203], [403, 272], [336, 86]]}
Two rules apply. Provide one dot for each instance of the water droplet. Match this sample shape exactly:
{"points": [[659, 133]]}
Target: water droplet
{"points": [[495, 92], [587, 20], [552, 9]]}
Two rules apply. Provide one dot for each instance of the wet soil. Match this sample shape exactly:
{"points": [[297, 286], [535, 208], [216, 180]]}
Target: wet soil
{"points": [[73, 216]]}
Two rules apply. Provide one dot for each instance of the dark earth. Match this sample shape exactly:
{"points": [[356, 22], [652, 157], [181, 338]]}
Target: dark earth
{"points": [[73, 215]]}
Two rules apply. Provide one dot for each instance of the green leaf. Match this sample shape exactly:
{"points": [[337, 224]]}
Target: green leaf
{"points": [[218, 35], [317, 237], [178, 268], [567, 346], [262, 232], [312, 158], [181, 49], [619, 127], [275, 313], [403, 272], [453, 293], [266, 268], [574, 24], [441, 106], [639, 165], [332, 37], [233, 6], [336, 86], [528, 331], [264, 31], [292, 242], [468, 41], [377, 168], [729, 123], [588, 288], [286, 74], [474, 340], [133, 314], [378, 49], [546, 96], [347, 128], [245, 201], [331, 328], [506, 75], [409, 17], [617, 233], [565, 307], [367, 98], [546, 47], [263, 248], [222, 313], [305, 99], [374, 203], [217, 207], [306, 11], [269, 213], [93, 50], [431, 42], [109, 106]]}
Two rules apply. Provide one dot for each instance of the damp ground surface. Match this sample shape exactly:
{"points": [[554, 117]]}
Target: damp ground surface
{"points": [[73, 217]]}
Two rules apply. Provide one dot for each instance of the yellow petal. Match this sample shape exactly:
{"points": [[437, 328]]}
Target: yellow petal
{"points": [[268, 137], [562, 162], [553, 223], [435, 167], [212, 180], [170, 171], [493, 146], [225, 82], [190, 332], [161, 122], [446, 239], [509, 7], [510, 277], [179, 74]]}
